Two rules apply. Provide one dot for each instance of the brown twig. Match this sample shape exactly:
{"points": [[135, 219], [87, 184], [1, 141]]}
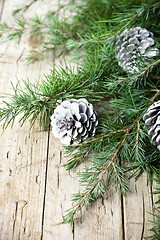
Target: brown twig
{"points": [[137, 137], [154, 152], [155, 5], [116, 172], [92, 188], [154, 90], [94, 41], [158, 61], [135, 16], [100, 138], [86, 194], [82, 155], [126, 79], [155, 95]]}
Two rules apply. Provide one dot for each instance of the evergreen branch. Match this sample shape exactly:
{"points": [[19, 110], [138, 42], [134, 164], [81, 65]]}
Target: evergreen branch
{"points": [[81, 156], [76, 159], [83, 199], [104, 136], [121, 136], [100, 173], [135, 16], [84, 196]]}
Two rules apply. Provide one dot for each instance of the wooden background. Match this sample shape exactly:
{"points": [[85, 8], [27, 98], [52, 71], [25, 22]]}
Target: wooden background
{"points": [[35, 189]]}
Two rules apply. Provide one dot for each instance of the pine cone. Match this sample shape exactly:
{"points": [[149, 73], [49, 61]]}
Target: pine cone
{"points": [[74, 120], [152, 121], [133, 47]]}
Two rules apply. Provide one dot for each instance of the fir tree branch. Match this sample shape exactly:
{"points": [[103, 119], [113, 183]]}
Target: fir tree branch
{"points": [[83, 199], [100, 173], [135, 16]]}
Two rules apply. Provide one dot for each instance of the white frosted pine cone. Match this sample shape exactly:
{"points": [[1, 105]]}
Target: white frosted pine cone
{"points": [[152, 121], [74, 120], [133, 46]]}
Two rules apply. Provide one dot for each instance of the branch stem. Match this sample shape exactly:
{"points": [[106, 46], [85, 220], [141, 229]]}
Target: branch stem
{"points": [[132, 19], [137, 137], [142, 73], [100, 138]]}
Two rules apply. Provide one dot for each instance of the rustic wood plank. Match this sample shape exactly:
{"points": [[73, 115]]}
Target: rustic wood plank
{"points": [[137, 209], [24, 152], [103, 220], [22, 178], [58, 194]]}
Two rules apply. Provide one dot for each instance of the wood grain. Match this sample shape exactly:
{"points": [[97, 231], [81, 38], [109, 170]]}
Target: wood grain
{"points": [[35, 190]]}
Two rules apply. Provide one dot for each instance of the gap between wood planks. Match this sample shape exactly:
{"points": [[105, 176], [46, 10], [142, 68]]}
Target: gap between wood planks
{"points": [[122, 215], [45, 185]]}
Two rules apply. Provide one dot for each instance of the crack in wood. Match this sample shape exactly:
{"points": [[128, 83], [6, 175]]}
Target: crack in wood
{"points": [[60, 160], [45, 185], [152, 201], [73, 229], [143, 222], [1, 12], [7, 154], [15, 218], [10, 172], [58, 179], [122, 214], [60, 157]]}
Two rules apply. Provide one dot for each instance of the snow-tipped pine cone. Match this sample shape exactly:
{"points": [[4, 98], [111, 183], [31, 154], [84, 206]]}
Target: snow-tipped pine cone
{"points": [[74, 120], [152, 121], [135, 48]]}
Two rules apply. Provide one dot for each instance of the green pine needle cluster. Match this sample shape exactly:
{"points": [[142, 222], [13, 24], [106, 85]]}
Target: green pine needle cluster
{"points": [[121, 148]]}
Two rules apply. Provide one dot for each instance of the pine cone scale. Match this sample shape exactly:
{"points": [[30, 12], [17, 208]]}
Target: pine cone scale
{"points": [[152, 121]]}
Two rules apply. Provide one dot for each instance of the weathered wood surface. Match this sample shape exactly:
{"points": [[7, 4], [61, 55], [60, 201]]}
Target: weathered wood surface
{"points": [[35, 189]]}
